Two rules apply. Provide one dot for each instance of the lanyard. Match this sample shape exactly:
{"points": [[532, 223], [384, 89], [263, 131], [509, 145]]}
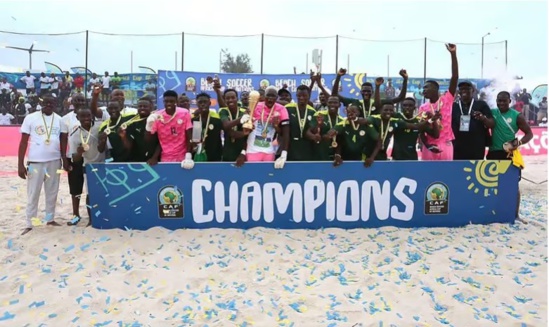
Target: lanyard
{"points": [[470, 107]]}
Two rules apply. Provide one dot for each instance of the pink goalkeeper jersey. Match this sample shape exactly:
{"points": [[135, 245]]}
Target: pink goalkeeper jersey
{"points": [[172, 136], [261, 139], [444, 104]]}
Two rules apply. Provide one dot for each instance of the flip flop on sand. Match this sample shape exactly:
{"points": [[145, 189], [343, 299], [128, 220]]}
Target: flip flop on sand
{"points": [[74, 221], [26, 230]]}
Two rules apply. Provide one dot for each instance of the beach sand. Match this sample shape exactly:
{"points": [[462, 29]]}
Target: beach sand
{"points": [[77, 276]]}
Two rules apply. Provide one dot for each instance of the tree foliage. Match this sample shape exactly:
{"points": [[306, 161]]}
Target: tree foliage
{"points": [[238, 65]]}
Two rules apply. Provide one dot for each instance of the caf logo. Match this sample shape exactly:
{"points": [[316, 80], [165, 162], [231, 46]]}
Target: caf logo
{"points": [[170, 203]]}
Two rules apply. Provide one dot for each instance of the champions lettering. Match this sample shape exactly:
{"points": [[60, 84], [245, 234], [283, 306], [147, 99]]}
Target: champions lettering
{"points": [[348, 201]]}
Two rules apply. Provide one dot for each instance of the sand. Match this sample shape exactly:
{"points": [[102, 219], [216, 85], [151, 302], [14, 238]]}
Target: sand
{"points": [[77, 276]]}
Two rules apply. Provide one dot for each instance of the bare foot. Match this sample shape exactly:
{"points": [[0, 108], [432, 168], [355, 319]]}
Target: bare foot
{"points": [[26, 230], [53, 223], [522, 221]]}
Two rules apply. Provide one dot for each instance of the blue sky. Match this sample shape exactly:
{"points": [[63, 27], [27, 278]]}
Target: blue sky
{"points": [[523, 24]]}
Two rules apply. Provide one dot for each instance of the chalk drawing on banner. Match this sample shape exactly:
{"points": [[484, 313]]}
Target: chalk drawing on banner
{"points": [[170, 202], [437, 199], [485, 174], [142, 176]]}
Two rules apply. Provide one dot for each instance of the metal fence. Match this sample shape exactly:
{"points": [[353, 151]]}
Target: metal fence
{"points": [[268, 54]]}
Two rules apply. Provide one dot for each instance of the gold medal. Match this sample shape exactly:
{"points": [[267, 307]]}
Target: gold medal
{"points": [[47, 142], [334, 144], [48, 131], [124, 126], [86, 147], [107, 131], [264, 135]]}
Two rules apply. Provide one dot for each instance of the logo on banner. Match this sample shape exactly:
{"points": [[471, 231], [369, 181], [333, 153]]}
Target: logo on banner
{"points": [[437, 199], [170, 203]]}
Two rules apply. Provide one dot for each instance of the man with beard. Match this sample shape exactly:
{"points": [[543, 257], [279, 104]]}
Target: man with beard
{"points": [[471, 121], [142, 148], [321, 124]]}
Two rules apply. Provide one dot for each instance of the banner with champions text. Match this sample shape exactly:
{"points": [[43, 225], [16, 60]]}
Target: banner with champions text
{"points": [[309, 195]]}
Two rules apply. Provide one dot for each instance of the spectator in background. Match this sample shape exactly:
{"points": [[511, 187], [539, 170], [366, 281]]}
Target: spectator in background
{"points": [[115, 81], [45, 83], [106, 81], [390, 90], [150, 89], [5, 89], [5, 117], [184, 102], [21, 110], [78, 83], [65, 89], [543, 122], [525, 97], [54, 84], [28, 79], [93, 81], [542, 113]]}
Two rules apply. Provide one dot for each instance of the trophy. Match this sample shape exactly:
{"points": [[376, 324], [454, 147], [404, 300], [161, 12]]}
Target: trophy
{"points": [[320, 122], [197, 132], [253, 101]]}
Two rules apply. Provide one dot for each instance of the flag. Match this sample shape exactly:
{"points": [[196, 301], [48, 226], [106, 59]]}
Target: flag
{"points": [[52, 68], [80, 70]]}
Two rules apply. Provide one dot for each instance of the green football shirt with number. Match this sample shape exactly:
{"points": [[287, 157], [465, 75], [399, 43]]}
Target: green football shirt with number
{"points": [[211, 135], [323, 151], [232, 147], [118, 152], [300, 148], [355, 139]]}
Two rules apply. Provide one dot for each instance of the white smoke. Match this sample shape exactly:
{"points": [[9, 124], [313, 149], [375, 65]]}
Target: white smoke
{"points": [[502, 82]]}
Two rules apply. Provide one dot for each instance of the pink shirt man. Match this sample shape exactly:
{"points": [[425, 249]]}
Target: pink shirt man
{"points": [[172, 134], [260, 140], [444, 142]]}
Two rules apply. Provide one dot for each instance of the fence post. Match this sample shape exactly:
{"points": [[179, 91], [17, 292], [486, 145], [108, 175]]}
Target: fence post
{"points": [[424, 60], [182, 51], [86, 64], [262, 41], [505, 55], [337, 53]]}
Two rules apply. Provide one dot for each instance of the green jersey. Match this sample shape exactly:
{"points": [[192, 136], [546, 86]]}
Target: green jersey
{"points": [[506, 128], [385, 131], [232, 147], [300, 148], [365, 109], [141, 150], [118, 152], [405, 141], [355, 139], [211, 135], [323, 150]]}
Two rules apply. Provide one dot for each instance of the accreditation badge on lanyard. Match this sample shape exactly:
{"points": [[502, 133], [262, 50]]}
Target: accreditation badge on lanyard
{"points": [[465, 120]]}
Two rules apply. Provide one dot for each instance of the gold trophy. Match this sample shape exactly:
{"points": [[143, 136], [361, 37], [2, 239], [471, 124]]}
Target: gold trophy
{"points": [[253, 101]]}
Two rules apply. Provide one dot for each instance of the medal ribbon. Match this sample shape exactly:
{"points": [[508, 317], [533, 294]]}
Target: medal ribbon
{"points": [[48, 132], [266, 123]]}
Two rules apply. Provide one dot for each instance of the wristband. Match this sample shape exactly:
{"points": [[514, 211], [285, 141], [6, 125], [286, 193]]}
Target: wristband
{"points": [[284, 154], [188, 156], [337, 155], [243, 152]]}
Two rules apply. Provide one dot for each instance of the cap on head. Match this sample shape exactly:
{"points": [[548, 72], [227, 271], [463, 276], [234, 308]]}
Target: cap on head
{"points": [[465, 84], [283, 91]]}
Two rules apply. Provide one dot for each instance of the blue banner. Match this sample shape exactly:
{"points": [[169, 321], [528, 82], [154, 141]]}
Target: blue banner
{"points": [[193, 83], [219, 195]]}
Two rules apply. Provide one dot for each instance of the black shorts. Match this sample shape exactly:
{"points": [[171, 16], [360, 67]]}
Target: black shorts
{"points": [[76, 177], [501, 155], [105, 91]]}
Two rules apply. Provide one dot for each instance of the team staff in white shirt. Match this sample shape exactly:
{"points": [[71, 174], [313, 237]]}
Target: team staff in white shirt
{"points": [[47, 146]]}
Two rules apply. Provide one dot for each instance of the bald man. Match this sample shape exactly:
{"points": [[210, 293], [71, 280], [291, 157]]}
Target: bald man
{"points": [[118, 96]]}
